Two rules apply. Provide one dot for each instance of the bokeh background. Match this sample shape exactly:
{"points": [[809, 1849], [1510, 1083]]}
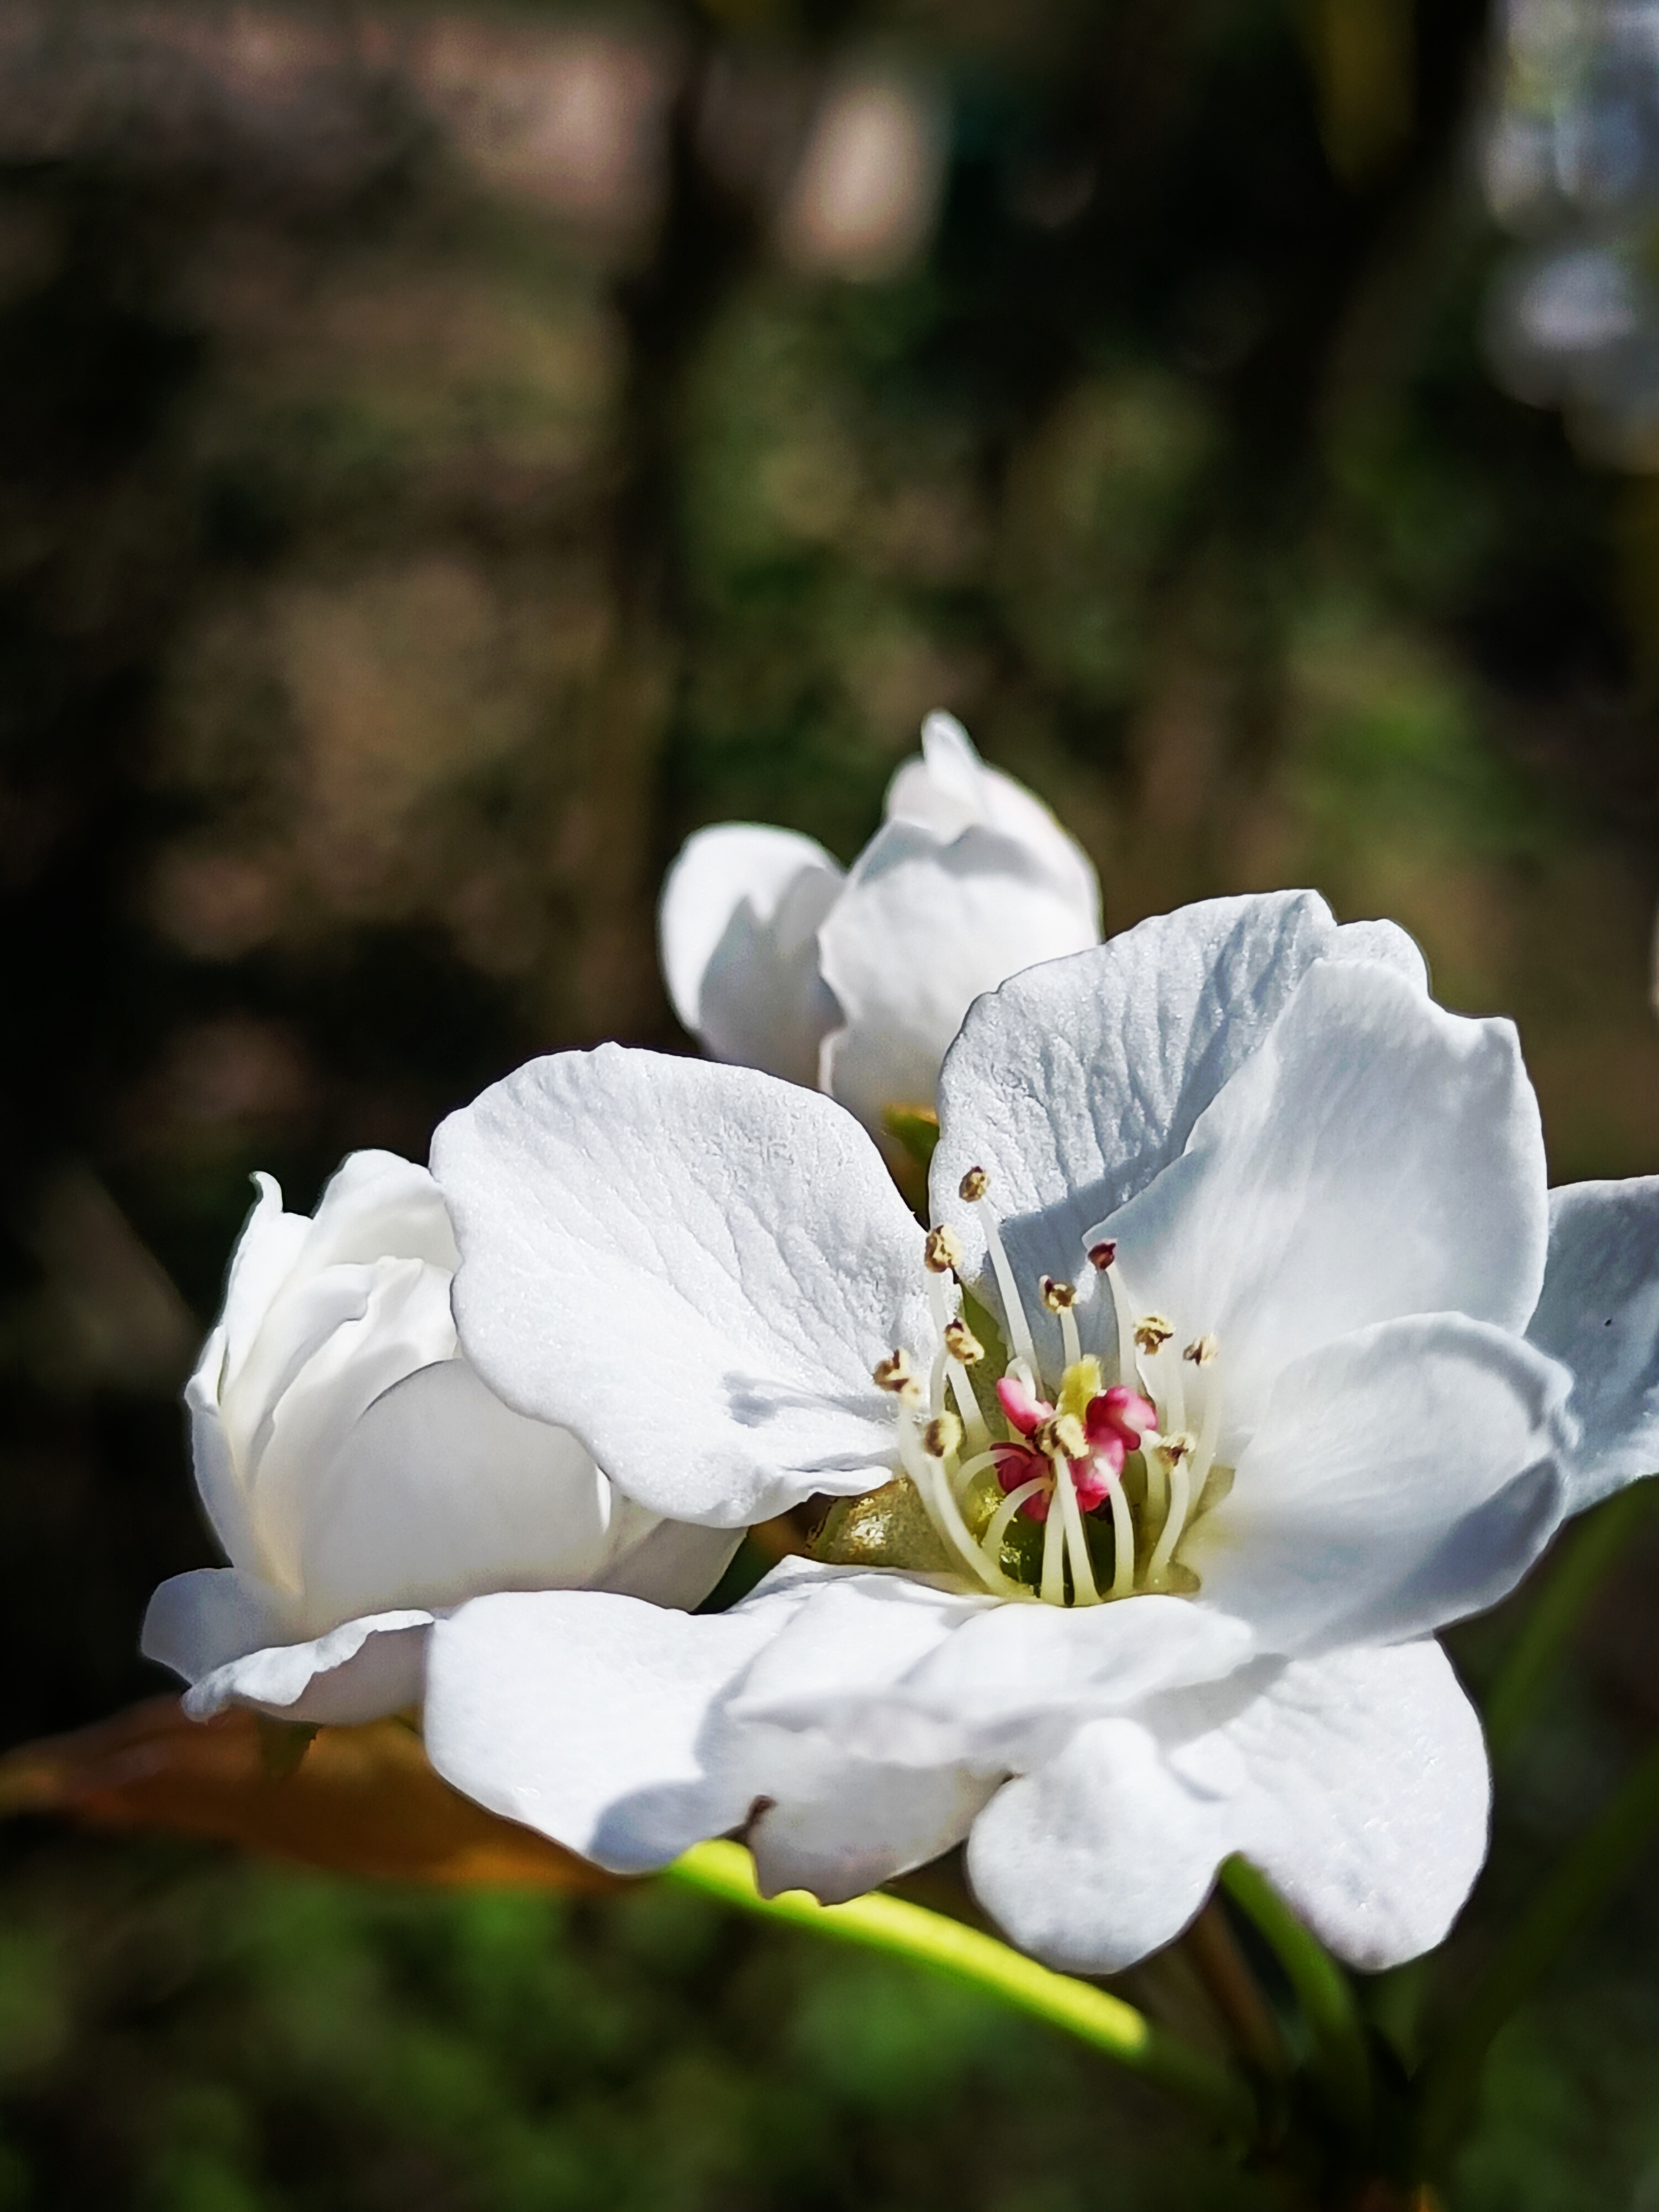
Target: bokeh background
{"points": [[446, 454]]}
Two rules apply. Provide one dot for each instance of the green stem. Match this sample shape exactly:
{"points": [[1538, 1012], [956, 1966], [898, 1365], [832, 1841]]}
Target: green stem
{"points": [[1341, 2062], [1585, 1558], [886, 1924], [1601, 1856]]}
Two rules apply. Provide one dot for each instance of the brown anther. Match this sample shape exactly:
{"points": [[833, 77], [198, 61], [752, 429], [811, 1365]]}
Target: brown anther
{"points": [[896, 1374], [1152, 1333], [974, 1185], [1201, 1351], [942, 1436], [962, 1344], [1059, 1298], [1173, 1450], [1062, 1437], [1102, 1255], [942, 1251]]}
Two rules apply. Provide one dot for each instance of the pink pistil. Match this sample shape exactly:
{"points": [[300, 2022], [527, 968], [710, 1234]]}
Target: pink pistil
{"points": [[1024, 1411]]}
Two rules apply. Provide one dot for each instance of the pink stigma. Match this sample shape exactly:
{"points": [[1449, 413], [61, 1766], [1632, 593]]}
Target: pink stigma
{"points": [[1023, 1411]]}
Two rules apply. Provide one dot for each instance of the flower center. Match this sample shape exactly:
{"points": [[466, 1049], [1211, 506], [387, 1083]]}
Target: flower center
{"points": [[1071, 1494]]}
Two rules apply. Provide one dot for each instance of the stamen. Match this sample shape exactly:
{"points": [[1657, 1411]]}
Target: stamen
{"points": [[942, 1254], [1019, 1329], [942, 1436], [1052, 1590], [1077, 1543], [1062, 1437], [934, 1491], [1202, 1352], [1002, 1520], [974, 1186], [1102, 1255], [1152, 1333], [1123, 1540], [1060, 1299], [947, 1365], [962, 1344], [896, 1373], [1176, 1453]]}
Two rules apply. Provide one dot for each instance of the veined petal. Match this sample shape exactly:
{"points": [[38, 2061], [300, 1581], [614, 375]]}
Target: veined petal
{"points": [[1599, 1313], [1377, 1156], [991, 1686], [1357, 1782], [1400, 1478], [695, 1268], [738, 932], [622, 1731], [1075, 1083], [951, 789], [590, 1717], [922, 928]]}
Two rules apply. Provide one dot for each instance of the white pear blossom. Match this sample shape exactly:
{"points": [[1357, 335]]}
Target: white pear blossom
{"points": [[361, 1477], [856, 983], [1262, 1232]]}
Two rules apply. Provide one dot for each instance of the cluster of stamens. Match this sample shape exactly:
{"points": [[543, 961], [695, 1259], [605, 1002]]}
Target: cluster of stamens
{"points": [[1132, 1455]]}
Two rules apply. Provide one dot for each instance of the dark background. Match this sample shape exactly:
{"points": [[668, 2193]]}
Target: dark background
{"points": [[445, 457]]}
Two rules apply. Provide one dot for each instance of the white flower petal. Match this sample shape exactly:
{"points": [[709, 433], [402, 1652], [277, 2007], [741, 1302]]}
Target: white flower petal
{"points": [[1400, 1478], [673, 1563], [921, 929], [992, 1685], [377, 1205], [1076, 1083], [439, 1494], [737, 930], [360, 1671], [370, 1327], [694, 1267], [1377, 1156], [197, 1622], [1599, 1313], [218, 1482], [839, 1825], [623, 1732], [267, 1252], [588, 1717], [1357, 1782], [950, 789]]}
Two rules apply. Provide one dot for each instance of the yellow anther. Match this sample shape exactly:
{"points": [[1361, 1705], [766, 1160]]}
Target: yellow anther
{"points": [[1173, 1450], [974, 1185], [942, 1251], [1152, 1333], [1059, 1298], [896, 1374], [1201, 1351], [962, 1344], [942, 1436]]}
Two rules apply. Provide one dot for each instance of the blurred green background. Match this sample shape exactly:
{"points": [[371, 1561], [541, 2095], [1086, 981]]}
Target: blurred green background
{"points": [[446, 455]]}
